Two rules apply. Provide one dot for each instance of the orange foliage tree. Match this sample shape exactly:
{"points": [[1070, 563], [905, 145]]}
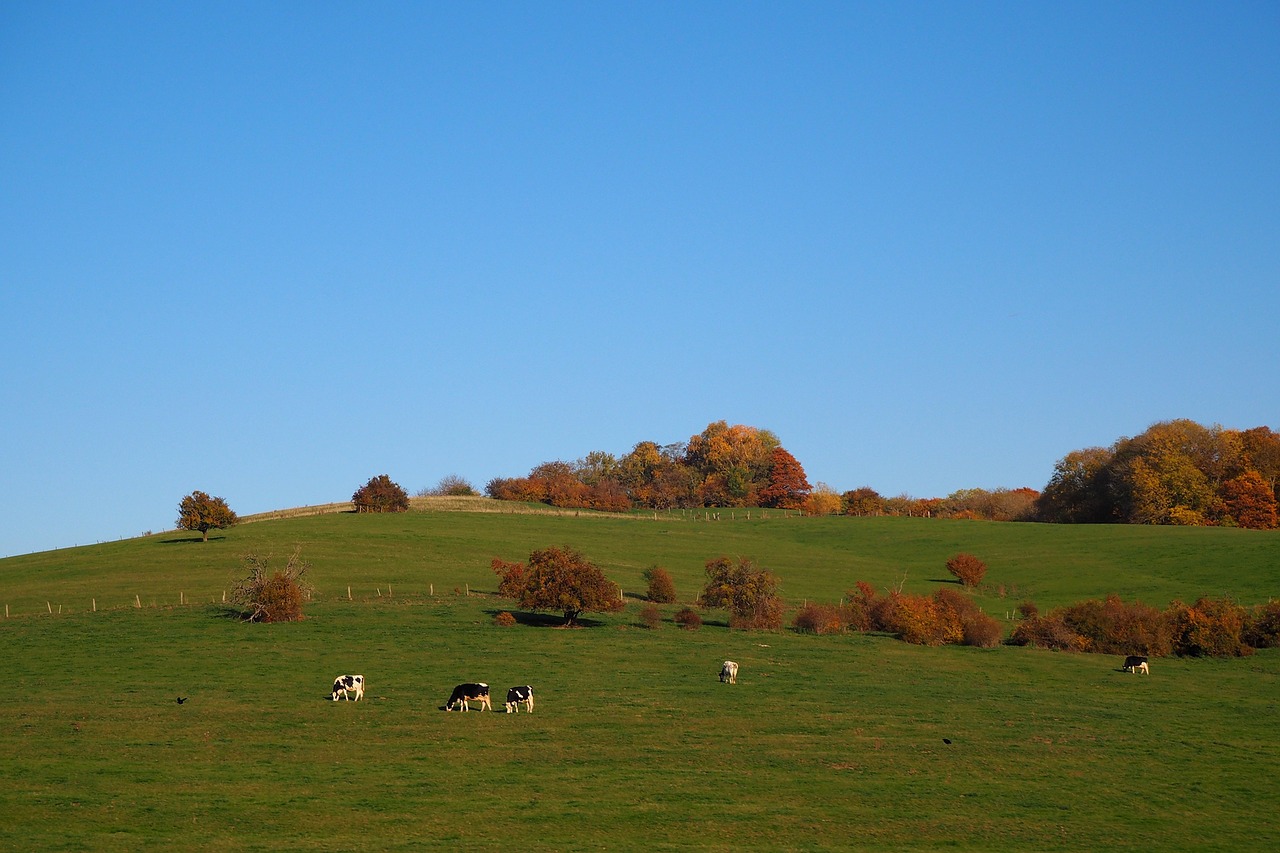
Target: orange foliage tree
{"points": [[198, 511], [558, 579]]}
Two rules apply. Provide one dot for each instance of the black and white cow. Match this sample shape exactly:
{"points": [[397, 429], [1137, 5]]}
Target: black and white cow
{"points": [[469, 692], [729, 673], [1136, 664], [518, 695], [343, 683]]}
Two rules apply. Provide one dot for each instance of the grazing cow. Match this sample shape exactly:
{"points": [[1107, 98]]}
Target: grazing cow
{"points": [[466, 693], [343, 683], [729, 673], [1136, 664], [518, 695]]}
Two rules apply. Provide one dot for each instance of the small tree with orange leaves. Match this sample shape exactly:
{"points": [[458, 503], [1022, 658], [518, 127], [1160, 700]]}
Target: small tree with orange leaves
{"points": [[558, 579], [968, 568]]}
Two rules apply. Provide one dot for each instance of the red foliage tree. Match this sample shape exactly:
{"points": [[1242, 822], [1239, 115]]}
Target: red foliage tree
{"points": [[788, 487], [1250, 501], [863, 501]]}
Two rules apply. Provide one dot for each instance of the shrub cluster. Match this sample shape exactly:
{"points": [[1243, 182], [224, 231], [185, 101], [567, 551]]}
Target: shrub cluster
{"points": [[947, 617], [1208, 628], [504, 619], [814, 618]]}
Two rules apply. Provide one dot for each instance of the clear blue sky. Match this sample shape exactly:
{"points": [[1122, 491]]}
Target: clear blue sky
{"points": [[271, 250]]}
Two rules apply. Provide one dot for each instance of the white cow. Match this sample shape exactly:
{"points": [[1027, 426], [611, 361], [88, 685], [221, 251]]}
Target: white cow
{"points": [[343, 683], [729, 673]]}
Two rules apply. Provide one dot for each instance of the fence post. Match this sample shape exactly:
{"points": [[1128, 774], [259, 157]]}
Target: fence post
{"points": [[137, 601], [95, 605], [50, 606], [348, 593]]}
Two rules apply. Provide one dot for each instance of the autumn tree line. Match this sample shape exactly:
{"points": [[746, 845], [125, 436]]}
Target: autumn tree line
{"points": [[1176, 472]]}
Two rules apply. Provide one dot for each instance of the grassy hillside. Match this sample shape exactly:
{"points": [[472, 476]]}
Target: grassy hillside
{"points": [[817, 558], [826, 742]]}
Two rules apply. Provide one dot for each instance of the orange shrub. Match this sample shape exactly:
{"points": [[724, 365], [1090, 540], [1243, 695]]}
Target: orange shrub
{"points": [[1047, 632], [816, 618], [1113, 627], [982, 631], [504, 619], [1263, 630], [921, 620], [1208, 628], [968, 568], [662, 588]]}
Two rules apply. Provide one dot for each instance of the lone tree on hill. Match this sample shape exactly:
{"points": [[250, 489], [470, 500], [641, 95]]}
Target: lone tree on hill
{"points": [[380, 494], [558, 579], [198, 511]]}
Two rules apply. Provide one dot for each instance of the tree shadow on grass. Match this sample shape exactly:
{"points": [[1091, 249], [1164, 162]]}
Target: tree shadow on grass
{"points": [[187, 540], [546, 620], [946, 580]]}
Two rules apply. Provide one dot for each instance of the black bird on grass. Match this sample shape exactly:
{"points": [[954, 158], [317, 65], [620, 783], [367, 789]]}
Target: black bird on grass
{"points": [[182, 699]]}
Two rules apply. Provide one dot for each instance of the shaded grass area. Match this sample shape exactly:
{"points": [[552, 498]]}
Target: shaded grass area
{"points": [[826, 742]]}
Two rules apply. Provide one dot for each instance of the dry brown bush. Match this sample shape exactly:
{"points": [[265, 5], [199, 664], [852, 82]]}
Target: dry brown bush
{"points": [[982, 631], [689, 619], [504, 619], [273, 596], [650, 617]]}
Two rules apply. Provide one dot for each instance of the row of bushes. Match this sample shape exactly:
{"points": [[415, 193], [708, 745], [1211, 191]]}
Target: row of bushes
{"points": [[946, 617], [1208, 628]]}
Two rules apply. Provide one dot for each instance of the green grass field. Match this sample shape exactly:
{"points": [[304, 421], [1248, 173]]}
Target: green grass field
{"points": [[825, 742]]}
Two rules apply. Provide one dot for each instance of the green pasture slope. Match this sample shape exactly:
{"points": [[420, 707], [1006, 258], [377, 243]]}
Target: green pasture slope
{"points": [[825, 742]]}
